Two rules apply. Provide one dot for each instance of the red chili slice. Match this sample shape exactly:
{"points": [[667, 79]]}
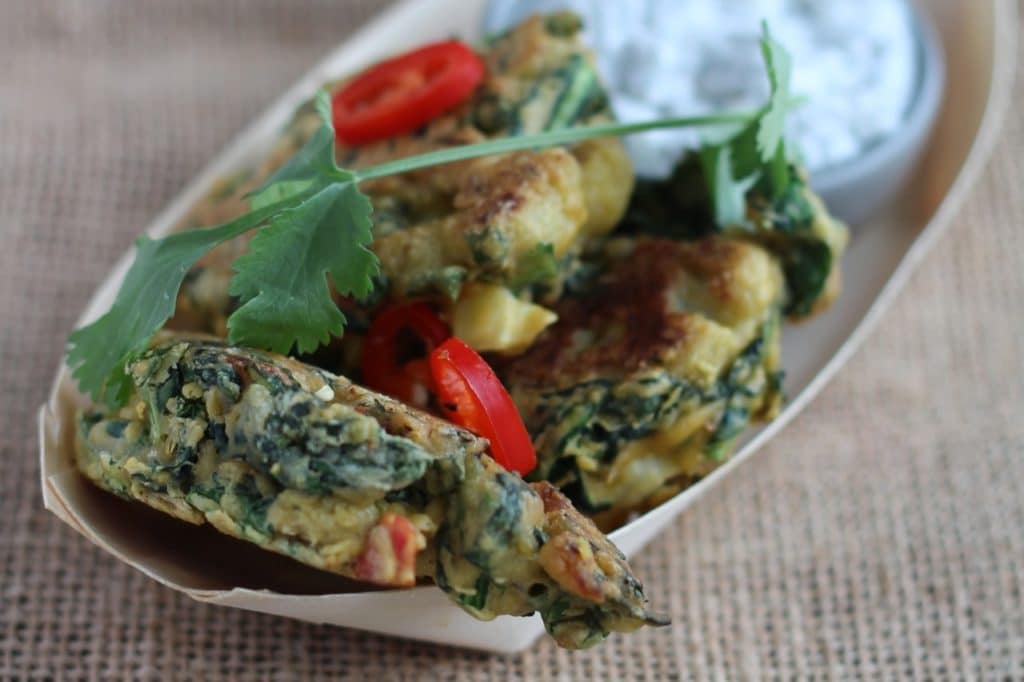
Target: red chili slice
{"points": [[383, 367], [473, 397], [400, 94], [389, 552]]}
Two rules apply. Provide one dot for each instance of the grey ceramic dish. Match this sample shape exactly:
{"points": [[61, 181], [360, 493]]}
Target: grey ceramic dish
{"points": [[854, 190]]}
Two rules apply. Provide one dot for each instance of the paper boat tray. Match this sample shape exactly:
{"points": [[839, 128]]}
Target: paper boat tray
{"points": [[980, 51]]}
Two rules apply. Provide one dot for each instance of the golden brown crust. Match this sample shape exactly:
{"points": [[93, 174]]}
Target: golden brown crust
{"points": [[504, 207], [627, 316], [577, 555], [608, 182], [714, 261], [525, 53], [652, 305]]}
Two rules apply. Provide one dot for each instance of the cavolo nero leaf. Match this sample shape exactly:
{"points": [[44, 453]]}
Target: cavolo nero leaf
{"points": [[807, 264]]}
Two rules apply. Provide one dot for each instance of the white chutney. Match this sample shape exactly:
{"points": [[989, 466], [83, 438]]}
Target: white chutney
{"points": [[855, 61]]}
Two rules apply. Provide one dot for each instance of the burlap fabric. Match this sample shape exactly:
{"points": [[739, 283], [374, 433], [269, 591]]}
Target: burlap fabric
{"points": [[881, 536]]}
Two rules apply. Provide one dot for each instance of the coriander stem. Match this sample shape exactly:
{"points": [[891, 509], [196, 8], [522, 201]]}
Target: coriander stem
{"points": [[545, 139]]}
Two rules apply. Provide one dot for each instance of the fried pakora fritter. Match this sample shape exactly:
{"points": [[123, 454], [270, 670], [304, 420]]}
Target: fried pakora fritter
{"points": [[307, 464], [512, 225], [795, 227], [439, 228], [651, 371]]}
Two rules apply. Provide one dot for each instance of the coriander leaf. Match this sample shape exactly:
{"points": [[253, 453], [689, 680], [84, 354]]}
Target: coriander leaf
{"points": [[745, 156], [771, 127], [779, 174], [97, 352], [550, 138], [728, 193], [279, 191], [315, 161], [282, 280], [757, 154], [331, 221], [758, 143], [312, 167]]}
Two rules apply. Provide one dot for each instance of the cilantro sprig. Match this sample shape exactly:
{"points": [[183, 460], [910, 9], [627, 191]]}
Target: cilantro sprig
{"points": [[757, 155], [315, 231]]}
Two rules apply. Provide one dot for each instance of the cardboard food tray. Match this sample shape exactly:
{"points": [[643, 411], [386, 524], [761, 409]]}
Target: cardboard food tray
{"points": [[979, 39]]}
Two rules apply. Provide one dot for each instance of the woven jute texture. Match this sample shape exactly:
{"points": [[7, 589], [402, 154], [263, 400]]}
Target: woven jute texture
{"points": [[880, 536]]}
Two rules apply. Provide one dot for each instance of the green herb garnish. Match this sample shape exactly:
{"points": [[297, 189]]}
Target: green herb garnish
{"points": [[315, 224], [280, 281], [757, 155]]}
